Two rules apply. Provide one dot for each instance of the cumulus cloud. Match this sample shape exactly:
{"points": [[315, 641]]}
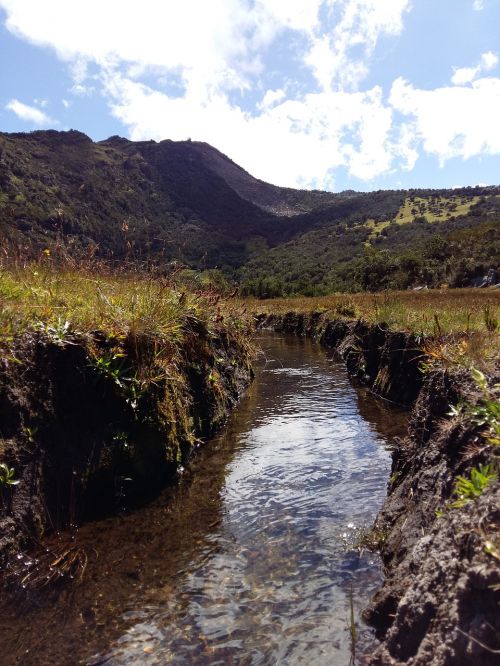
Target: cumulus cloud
{"points": [[362, 23], [452, 121], [489, 61], [212, 71], [462, 75], [478, 5], [29, 113]]}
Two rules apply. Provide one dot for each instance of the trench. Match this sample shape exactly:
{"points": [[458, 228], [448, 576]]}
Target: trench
{"points": [[253, 557]]}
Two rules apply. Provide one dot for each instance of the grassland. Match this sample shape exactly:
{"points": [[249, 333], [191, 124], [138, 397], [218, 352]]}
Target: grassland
{"points": [[434, 209], [455, 326], [58, 301]]}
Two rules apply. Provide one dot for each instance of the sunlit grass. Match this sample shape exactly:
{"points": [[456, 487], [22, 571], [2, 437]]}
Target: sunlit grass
{"points": [[435, 209], [463, 323], [118, 304], [457, 310]]}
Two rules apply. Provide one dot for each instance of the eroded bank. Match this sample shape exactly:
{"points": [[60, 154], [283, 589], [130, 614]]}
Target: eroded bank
{"points": [[92, 423]]}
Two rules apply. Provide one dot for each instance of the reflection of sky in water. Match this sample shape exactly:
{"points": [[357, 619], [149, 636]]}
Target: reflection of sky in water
{"points": [[272, 585]]}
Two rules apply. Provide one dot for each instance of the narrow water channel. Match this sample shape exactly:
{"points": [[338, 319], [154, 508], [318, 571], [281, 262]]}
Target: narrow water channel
{"points": [[250, 559]]}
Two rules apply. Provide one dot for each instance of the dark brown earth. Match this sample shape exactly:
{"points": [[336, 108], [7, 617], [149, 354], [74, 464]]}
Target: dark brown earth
{"points": [[439, 604], [84, 446]]}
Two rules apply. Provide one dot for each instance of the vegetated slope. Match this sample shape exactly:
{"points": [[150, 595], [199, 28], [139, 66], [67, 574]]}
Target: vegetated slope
{"points": [[187, 201], [277, 200], [130, 199], [452, 243]]}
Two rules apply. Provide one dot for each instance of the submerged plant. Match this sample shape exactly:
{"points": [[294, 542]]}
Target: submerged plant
{"points": [[351, 625]]}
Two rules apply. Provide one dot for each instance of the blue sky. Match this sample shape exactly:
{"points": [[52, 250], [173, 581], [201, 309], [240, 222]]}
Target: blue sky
{"points": [[331, 94]]}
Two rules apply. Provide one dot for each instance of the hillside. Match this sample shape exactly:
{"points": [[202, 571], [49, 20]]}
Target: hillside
{"points": [[186, 201]]}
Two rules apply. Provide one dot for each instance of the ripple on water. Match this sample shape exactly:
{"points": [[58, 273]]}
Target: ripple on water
{"points": [[245, 560], [310, 471]]}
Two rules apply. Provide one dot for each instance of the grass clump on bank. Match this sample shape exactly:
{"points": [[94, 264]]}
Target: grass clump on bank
{"points": [[108, 382], [60, 301]]}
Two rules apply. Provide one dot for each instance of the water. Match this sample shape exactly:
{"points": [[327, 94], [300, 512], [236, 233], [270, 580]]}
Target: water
{"points": [[250, 560]]}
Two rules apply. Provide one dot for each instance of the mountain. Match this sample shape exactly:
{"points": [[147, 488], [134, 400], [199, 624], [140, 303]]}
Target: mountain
{"points": [[187, 201], [281, 201]]}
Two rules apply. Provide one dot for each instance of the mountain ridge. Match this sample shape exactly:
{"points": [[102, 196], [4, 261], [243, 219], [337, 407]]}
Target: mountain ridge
{"points": [[187, 201]]}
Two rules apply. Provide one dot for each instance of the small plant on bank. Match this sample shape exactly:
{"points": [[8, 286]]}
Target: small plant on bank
{"points": [[57, 333], [486, 412], [467, 489], [7, 476], [112, 365]]}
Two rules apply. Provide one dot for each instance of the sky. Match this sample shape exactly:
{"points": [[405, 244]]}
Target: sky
{"points": [[326, 94]]}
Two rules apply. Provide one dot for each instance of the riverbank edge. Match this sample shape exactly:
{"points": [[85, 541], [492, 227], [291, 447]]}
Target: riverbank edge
{"points": [[439, 601], [85, 438]]}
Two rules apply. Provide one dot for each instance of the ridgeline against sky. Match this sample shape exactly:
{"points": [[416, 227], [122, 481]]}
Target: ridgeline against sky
{"points": [[329, 94]]}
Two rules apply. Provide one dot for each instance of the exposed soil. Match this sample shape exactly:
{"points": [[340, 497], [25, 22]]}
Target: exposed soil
{"points": [[439, 604], [83, 444]]}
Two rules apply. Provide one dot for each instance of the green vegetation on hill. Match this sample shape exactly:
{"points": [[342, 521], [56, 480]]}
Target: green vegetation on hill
{"points": [[185, 202], [418, 252]]}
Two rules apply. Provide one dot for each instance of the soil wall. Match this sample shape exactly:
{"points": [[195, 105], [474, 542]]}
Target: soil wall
{"points": [[89, 431]]}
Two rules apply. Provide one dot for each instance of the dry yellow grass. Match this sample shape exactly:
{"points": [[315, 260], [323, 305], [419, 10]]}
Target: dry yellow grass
{"points": [[459, 326]]}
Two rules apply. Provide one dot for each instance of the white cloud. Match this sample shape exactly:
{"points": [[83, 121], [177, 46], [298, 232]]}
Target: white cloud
{"points": [[453, 121], [271, 98], [362, 24], [66, 103], [489, 61], [463, 75], [478, 5], [29, 113]]}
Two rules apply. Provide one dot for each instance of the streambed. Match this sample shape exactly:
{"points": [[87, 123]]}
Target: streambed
{"points": [[249, 559]]}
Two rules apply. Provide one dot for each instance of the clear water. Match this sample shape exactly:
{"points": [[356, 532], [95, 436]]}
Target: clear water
{"points": [[250, 560]]}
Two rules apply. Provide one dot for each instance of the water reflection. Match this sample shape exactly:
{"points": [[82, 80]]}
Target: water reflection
{"points": [[245, 562]]}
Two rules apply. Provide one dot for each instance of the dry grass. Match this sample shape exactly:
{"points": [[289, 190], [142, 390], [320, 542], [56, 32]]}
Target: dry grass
{"points": [[57, 300], [462, 323]]}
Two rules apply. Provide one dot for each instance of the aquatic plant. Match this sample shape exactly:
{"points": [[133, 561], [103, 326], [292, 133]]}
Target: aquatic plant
{"points": [[351, 625]]}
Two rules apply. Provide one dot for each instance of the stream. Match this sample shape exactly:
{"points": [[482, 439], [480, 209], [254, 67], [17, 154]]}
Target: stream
{"points": [[252, 557]]}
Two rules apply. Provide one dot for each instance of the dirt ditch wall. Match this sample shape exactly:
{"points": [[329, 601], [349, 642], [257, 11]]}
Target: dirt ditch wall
{"points": [[85, 437]]}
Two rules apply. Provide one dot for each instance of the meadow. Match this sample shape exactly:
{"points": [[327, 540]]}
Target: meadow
{"points": [[57, 301]]}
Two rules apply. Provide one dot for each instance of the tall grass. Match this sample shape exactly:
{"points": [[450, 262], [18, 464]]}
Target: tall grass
{"points": [[457, 310], [37, 295]]}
